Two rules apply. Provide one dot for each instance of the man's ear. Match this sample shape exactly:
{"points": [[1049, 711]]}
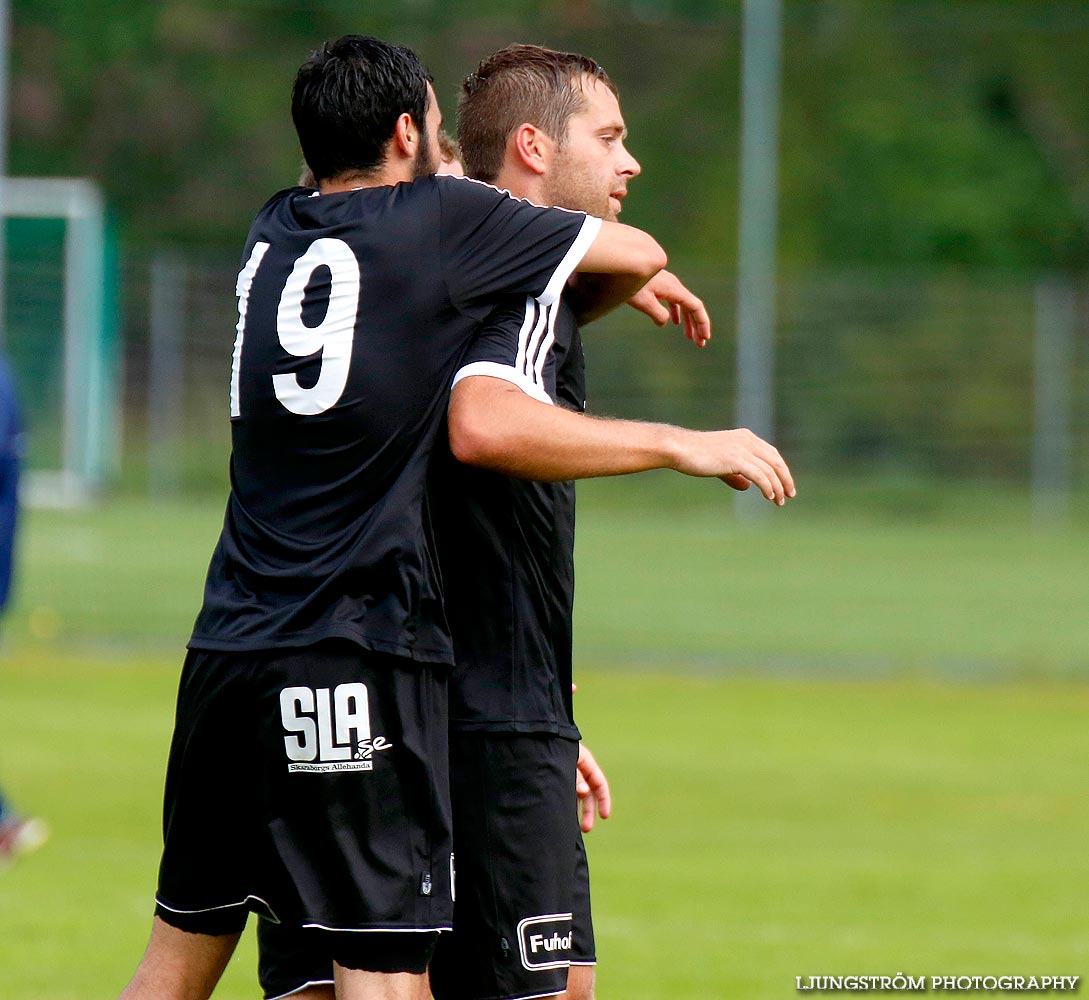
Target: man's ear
{"points": [[406, 137], [532, 148]]}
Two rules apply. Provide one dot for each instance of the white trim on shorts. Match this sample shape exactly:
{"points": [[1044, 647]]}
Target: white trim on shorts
{"points": [[537, 996], [380, 930], [299, 989], [223, 906]]}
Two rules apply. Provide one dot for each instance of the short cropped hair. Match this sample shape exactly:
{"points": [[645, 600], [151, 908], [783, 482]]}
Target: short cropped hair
{"points": [[346, 101], [519, 84]]}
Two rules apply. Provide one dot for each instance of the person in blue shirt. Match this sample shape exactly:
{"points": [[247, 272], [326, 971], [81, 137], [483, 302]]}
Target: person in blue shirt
{"points": [[18, 834]]}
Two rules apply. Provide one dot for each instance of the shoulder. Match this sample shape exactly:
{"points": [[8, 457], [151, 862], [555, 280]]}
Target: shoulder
{"points": [[466, 202], [281, 198], [469, 191], [455, 191], [275, 216]]}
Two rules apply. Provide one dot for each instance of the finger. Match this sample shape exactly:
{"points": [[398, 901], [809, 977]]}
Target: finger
{"points": [[763, 476], [786, 479], [687, 308], [590, 771], [592, 806], [785, 475], [778, 491], [771, 455], [694, 330], [703, 323], [587, 818], [649, 305], [771, 460], [738, 481], [657, 312], [604, 798], [698, 314]]}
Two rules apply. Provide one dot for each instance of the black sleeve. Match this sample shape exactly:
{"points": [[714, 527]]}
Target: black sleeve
{"points": [[514, 344], [495, 245]]}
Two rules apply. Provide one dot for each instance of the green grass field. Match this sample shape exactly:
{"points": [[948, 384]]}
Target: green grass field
{"points": [[838, 744]]}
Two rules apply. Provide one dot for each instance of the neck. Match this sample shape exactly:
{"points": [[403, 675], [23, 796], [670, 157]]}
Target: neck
{"points": [[522, 184], [384, 176]]}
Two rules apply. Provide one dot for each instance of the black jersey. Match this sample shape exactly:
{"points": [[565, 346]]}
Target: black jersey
{"points": [[507, 545], [354, 310]]}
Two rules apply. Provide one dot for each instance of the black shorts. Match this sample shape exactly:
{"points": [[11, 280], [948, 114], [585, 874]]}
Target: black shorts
{"points": [[522, 914], [311, 786]]}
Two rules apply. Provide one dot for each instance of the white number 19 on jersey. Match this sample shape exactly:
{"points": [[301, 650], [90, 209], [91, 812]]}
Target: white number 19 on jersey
{"points": [[332, 337]]}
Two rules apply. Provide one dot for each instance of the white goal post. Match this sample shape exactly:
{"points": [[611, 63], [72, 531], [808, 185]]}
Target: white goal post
{"points": [[90, 428]]}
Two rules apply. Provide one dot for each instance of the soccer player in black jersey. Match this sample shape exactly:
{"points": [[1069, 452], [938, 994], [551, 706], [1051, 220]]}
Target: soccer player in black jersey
{"points": [[308, 771], [547, 127]]}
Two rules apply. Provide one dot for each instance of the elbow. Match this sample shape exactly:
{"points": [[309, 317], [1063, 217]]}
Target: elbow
{"points": [[483, 423], [464, 442], [653, 260], [470, 442]]}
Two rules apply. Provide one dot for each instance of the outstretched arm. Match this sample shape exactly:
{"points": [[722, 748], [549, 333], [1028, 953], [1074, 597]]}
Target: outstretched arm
{"points": [[494, 425]]}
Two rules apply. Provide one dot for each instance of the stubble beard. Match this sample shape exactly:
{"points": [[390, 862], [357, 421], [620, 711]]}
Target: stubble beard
{"points": [[576, 189], [426, 162]]}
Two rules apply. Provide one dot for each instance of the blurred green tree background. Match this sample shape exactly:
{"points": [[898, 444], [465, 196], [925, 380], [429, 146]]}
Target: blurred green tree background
{"points": [[923, 133], [934, 168]]}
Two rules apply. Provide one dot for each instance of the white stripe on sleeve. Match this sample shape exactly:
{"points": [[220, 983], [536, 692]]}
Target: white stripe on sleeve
{"points": [[546, 346], [525, 334], [534, 347], [587, 234]]}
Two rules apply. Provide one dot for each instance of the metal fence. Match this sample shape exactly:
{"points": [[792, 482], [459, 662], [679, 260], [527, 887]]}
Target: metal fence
{"points": [[948, 378]]}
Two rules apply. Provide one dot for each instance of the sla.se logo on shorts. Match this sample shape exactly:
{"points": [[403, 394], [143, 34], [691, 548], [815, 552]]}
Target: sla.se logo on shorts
{"points": [[545, 942], [333, 727]]}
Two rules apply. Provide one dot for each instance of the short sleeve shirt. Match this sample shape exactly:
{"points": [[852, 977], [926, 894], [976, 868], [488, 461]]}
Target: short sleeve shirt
{"points": [[507, 545], [354, 312]]}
